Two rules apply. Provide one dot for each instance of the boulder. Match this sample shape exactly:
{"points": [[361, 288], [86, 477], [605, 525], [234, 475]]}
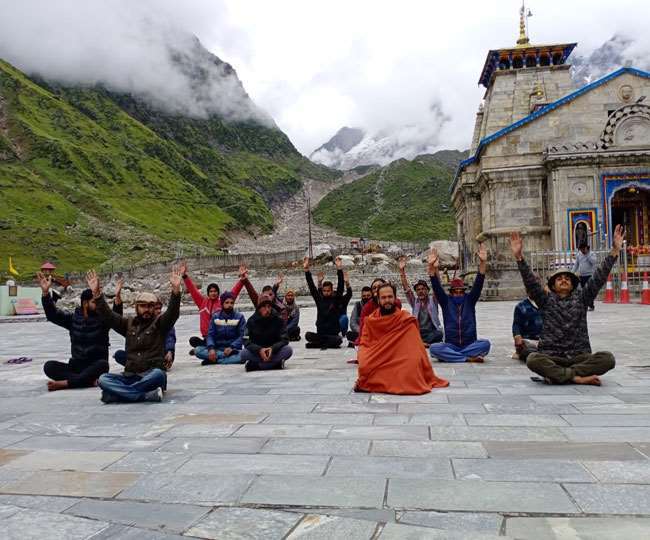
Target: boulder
{"points": [[321, 251], [395, 251], [447, 250], [414, 261], [347, 260], [379, 258]]}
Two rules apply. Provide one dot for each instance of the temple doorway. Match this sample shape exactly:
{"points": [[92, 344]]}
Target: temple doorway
{"points": [[631, 208]]}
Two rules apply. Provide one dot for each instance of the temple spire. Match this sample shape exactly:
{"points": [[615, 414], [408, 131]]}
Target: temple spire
{"points": [[523, 40]]}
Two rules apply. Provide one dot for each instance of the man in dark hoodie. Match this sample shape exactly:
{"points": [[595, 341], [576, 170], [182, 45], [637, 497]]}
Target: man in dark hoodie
{"points": [[144, 377], [459, 314], [355, 317], [268, 344], [88, 341], [327, 335], [564, 351]]}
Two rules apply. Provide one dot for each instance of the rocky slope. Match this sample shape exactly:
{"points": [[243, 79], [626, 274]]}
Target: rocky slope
{"points": [[405, 200], [93, 176]]}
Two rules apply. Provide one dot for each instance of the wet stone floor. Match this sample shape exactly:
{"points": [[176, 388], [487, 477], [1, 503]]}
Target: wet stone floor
{"points": [[297, 454]]}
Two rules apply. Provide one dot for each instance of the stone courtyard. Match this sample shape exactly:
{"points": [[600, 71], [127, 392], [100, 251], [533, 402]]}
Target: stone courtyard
{"points": [[297, 454]]}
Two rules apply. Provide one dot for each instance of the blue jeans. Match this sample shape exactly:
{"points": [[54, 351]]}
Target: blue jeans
{"points": [[344, 323], [133, 387], [448, 352], [203, 352], [254, 362]]}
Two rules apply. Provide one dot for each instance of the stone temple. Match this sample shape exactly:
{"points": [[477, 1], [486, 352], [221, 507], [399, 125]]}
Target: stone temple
{"points": [[558, 162]]}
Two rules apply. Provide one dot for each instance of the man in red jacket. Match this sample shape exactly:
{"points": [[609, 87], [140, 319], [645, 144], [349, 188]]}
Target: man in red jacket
{"points": [[207, 304]]}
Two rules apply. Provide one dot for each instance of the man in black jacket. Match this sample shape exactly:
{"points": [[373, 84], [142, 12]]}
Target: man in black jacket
{"points": [[564, 352], [328, 310], [268, 344], [88, 341]]}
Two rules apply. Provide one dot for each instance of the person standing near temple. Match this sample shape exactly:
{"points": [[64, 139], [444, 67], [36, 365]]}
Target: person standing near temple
{"points": [[584, 266]]}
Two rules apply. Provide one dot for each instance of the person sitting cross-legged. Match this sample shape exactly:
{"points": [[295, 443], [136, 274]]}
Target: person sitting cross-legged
{"points": [[144, 377], [88, 341], [267, 346], [424, 307], [526, 328], [392, 358], [225, 336], [459, 314], [208, 305], [564, 351], [327, 335]]}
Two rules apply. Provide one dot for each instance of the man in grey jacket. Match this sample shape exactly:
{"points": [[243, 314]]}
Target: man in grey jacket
{"points": [[584, 266], [564, 350]]}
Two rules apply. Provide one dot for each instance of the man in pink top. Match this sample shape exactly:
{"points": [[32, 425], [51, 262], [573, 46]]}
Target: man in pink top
{"points": [[207, 304]]}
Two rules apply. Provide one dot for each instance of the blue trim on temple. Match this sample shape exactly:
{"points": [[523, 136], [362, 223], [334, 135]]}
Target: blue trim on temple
{"points": [[541, 112]]}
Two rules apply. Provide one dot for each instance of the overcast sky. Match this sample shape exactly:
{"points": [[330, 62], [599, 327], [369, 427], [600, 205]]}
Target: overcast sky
{"points": [[317, 66]]}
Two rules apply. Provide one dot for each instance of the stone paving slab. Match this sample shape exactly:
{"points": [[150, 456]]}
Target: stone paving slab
{"points": [[562, 450], [311, 491], [207, 489], [611, 499], [318, 445], [390, 467], [587, 528], [393, 531], [31, 525], [477, 496], [167, 517], [244, 523], [71, 484], [318, 527], [521, 470]]}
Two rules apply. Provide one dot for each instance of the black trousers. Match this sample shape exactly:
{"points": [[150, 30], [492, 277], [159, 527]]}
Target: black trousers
{"points": [[322, 341], [78, 375]]}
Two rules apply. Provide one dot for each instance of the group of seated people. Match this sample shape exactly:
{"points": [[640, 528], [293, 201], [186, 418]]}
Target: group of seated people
{"points": [[549, 329]]}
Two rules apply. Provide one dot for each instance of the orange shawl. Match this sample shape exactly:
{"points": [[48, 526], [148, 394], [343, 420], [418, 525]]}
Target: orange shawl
{"points": [[392, 357]]}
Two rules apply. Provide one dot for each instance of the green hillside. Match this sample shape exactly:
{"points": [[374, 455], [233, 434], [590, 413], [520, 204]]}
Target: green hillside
{"points": [[405, 200], [91, 178]]}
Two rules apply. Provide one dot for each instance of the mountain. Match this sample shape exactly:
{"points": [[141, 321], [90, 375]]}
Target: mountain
{"points": [[405, 200], [94, 176], [618, 51]]}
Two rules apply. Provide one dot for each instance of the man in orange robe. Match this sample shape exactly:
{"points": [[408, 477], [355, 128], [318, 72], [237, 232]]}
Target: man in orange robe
{"points": [[392, 358]]}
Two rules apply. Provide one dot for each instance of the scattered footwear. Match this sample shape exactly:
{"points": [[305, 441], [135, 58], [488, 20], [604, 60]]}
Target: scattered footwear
{"points": [[19, 360]]}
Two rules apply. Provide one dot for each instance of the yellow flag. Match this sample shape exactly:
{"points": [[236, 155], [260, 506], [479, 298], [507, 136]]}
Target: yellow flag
{"points": [[12, 270]]}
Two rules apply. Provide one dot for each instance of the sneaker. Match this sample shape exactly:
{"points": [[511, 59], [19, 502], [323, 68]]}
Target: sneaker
{"points": [[195, 341], [192, 352], [155, 395]]}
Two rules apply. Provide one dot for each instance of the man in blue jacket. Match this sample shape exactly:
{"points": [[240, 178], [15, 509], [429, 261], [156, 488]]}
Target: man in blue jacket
{"points": [[88, 341], [459, 314], [225, 337], [526, 328]]}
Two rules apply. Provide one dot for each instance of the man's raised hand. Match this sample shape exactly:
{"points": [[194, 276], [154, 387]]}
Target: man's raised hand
{"points": [[175, 280], [482, 253], [182, 268], [93, 282], [339, 263], [279, 279], [433, 262], [618, 238], [44, 281], [517, 245], [305, 264], [243, 272], [402, 264]]}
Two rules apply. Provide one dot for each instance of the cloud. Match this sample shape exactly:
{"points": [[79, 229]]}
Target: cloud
{"points": [[146, 48]]}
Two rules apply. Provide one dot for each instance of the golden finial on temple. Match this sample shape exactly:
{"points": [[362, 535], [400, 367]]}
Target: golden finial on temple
{"points": [[523, 30]]}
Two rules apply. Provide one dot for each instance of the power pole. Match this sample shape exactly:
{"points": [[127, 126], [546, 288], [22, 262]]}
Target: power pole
{"points": [[311, 245]]}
